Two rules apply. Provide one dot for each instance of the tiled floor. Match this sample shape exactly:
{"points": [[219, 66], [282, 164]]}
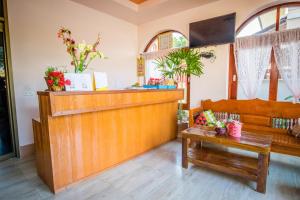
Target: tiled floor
{"points": [[154, 175]]}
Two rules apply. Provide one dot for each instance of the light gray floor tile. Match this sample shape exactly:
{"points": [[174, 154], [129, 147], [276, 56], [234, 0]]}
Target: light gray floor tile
{"points": [[155, 175]]}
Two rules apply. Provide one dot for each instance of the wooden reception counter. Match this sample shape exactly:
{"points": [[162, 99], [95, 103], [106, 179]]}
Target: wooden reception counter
{"points": [[83, 133]]}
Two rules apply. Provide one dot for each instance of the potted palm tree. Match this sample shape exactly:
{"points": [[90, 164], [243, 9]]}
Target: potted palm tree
{"points": [[182, 63]]}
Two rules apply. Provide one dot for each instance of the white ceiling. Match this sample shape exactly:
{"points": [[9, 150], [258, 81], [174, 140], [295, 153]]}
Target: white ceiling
{"points": [[142, 13]]}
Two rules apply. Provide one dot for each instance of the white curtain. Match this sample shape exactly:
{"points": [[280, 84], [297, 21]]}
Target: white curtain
{"points": [[287, 56], [252, 56], [151, 69]]}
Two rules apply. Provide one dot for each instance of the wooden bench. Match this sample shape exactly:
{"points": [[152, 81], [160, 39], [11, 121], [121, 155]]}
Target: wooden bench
{"points": [[258, 116]]}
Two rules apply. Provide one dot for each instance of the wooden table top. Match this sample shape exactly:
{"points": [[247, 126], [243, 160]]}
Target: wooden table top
{"points": [[259, 143]]}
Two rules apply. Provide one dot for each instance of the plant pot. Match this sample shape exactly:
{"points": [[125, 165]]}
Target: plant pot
{"points": [[57, 88], [53, 87]]}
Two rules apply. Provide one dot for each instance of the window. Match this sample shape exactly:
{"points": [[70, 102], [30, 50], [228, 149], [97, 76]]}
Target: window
{"points": [[261, 24], [159, 46], [163, 41], [276, 18], [289, 17], [177, 39]]}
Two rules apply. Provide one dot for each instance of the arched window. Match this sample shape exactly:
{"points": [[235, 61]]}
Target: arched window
{"points": [[159, 46], [276, 18], [175, 39]]}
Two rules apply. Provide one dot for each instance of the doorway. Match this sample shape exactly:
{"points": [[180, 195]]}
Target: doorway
{"points": [[7, 109]]}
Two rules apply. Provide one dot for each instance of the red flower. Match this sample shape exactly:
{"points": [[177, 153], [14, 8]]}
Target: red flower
{"points": [[50, 82], [55, 74], [61, 83], [68, 82]]}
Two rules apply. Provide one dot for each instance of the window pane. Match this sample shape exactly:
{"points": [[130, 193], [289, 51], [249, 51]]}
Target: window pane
{"points": [[263, 91], [289, 17], [261, 24], [151, 70], [283, 93], [153, 46], [179, 40]]}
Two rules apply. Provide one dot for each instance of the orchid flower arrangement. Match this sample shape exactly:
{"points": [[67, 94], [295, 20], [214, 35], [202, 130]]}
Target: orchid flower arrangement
{"points": [[82, 54]]}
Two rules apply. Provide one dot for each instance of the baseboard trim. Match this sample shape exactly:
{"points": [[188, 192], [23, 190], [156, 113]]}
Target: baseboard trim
{"points": [[26, 150]]}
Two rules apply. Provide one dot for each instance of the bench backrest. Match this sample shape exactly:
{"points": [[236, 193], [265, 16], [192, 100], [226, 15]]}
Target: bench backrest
{"points": [[258, 115]]}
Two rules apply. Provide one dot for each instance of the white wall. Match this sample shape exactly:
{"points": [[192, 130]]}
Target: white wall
{"points": [[212, 85], [33, 26]]}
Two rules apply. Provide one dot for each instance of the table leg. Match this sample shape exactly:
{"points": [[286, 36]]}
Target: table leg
{"points": [[184, 153], [263, 165]]}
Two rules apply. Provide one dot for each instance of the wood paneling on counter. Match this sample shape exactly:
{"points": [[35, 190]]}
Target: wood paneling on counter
{"points": [[85, 133]]}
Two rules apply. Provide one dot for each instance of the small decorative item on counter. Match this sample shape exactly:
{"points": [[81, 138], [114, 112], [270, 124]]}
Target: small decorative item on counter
{"points": [[162, 87], [150, 86], [152, 83], [100, 81], [234, 128], [55, 79], [79, 82], [136, 84], [157, 83], [162, 84], [170, 83]]}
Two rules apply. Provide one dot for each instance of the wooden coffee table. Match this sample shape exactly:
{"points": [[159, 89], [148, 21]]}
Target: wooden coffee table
{"points": [[251, 168]]}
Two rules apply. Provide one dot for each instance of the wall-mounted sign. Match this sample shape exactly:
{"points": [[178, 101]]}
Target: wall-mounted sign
{"points": [[140, 66]]}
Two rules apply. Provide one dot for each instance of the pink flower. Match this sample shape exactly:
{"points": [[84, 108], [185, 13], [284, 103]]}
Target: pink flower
{"points": [[68, 82]]}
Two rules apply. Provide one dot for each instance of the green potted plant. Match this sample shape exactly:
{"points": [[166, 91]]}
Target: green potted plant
{"points": [[182, 63]]}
